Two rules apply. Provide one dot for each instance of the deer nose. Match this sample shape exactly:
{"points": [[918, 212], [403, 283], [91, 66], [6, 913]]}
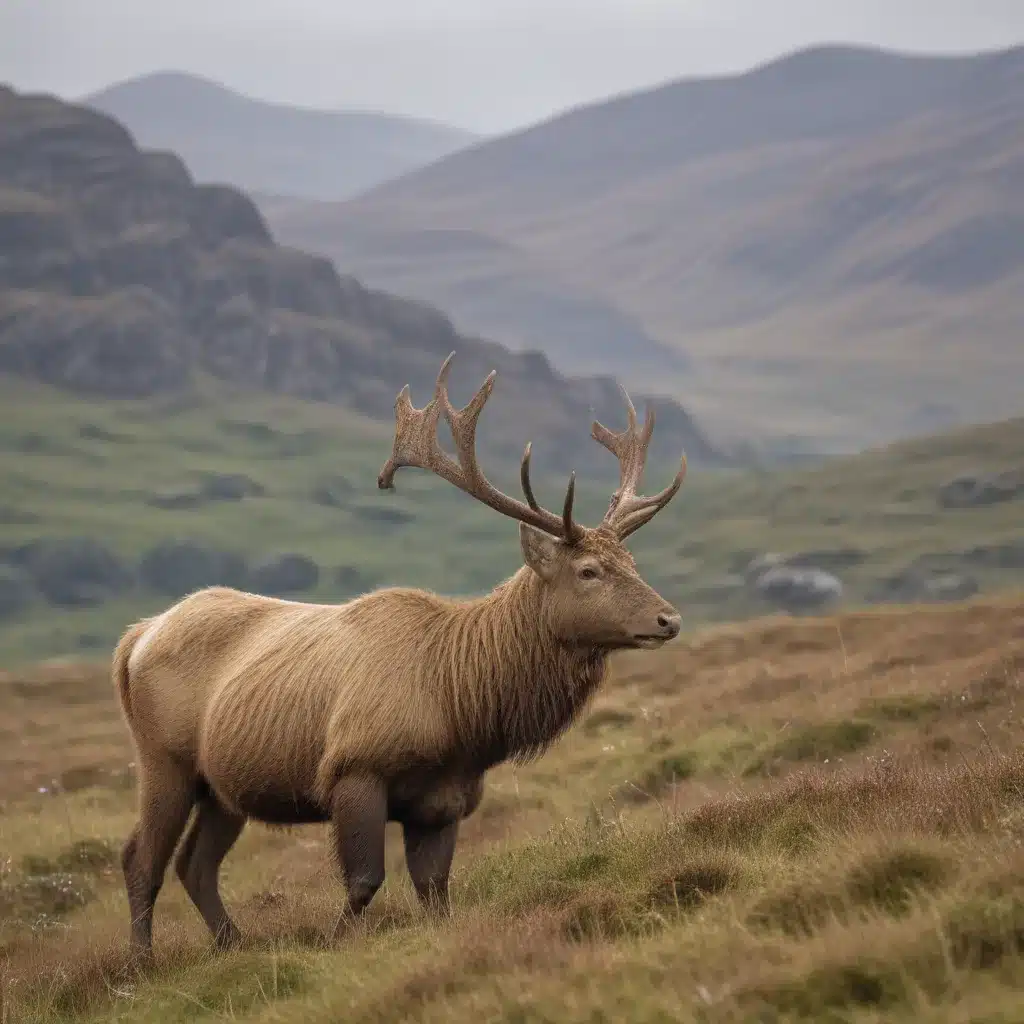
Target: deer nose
{"points": [[670, 623]]}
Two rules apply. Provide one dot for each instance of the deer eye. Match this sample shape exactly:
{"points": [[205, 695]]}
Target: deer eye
{"points": [[588, 572]]}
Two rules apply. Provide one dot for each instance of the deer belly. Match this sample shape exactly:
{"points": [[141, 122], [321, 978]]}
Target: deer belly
{"points": [[431, 800], [264, 797], [260, 760], [281, 808]]}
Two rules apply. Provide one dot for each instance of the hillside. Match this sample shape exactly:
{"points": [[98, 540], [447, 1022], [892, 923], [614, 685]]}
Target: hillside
{"points": [[112, 509], [228, 138], [823, 237], [787, 821], [122, 278], [482, 279]]}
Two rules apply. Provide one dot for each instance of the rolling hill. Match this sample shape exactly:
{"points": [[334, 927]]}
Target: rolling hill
{"points": [[225, 137], [110, 509], [829, 238]]}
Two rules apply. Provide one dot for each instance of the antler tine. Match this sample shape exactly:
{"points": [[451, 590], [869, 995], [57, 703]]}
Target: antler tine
{"points": [[641, 510], [524, 477], [627, 510], [416, 444], [569, 527], [462, 422], [415, 441]]}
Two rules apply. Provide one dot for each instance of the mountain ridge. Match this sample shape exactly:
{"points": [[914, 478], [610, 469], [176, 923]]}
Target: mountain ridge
{"points": [[203, 86], [778, 235], [822, 60], [226, 136]]}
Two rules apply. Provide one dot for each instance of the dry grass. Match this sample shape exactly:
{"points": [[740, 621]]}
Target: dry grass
{"points": [[792, 820]]}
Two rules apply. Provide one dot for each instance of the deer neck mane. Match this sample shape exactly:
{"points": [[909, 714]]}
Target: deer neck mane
{"points": [[517, 687]]}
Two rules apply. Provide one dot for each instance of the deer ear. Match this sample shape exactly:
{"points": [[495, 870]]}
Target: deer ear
{"points": [[540, 550]]}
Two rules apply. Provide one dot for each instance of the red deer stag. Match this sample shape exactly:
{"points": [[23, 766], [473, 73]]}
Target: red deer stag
{"points": [[389, 707]]}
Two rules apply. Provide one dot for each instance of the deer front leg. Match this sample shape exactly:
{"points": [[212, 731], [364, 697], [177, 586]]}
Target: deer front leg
{"points": [[359, 812], [428, 855]]}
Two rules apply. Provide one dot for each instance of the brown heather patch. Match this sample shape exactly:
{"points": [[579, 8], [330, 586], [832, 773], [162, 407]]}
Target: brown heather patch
{"points": [[834, 830]]}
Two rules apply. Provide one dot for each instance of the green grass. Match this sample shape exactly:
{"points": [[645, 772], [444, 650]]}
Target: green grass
{"points": [[75, 467], [820, 741]]}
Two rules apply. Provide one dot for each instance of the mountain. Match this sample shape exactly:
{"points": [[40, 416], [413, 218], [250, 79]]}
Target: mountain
{"points": [[835, 240], [120, 277], [493, 286], [268, 147]]}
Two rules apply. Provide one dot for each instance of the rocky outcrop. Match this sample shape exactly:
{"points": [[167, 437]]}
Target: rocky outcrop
{"points": [[120, 277], [333, 492], [351, 582], [916, 584], [175, 568], [798, 590], [283, 575], [1007, 555], [833, 560], [78, 572], [794, 583], [15, 593], [71, 572], [974, 490], [213, 487]]}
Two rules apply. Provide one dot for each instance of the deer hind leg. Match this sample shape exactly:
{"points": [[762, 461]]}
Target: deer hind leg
{"points": [[211, 836], [359, 814], [166, 796], [428, 855]]}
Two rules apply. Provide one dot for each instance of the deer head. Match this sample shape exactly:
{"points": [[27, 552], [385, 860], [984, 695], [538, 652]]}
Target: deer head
{"points": [[592, 594]]}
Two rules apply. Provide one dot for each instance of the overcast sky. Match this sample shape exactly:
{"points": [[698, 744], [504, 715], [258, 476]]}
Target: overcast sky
{"points": [[487, 65]]}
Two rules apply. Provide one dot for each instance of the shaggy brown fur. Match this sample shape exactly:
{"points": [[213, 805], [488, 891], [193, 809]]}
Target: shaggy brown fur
{"points": [[388, 707]]}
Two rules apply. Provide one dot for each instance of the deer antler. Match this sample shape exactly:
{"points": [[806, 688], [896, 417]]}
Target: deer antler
{"points": [[628, 510], [416, 444]]}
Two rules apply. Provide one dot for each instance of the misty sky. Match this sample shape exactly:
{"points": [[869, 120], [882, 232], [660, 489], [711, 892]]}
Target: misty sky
{"points": [[487, 65]]}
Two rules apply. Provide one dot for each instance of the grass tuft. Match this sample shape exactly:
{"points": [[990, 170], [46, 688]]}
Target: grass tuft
{"points": [[838, 987], [87, 856], [888, 881], [42, 900], [983, 932], [885, 882], [689, 887], [821, 741], [905, 707]]}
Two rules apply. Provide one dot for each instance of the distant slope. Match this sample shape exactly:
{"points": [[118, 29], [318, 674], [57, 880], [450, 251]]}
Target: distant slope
{"points": [[122, 278], [824, 236], [493, 287], [110, 509], [225, 137]]}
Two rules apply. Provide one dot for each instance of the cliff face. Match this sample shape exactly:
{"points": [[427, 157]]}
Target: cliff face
{"points": [[122, 278]]}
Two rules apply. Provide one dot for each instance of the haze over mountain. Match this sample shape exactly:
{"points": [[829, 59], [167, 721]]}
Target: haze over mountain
{"points": [[835, 239], [122, 278], [224, 136], [490, 67]]}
